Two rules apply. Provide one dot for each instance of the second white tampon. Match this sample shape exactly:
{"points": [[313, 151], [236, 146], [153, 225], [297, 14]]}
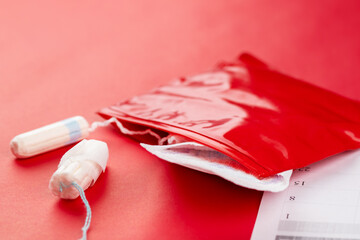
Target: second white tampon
{"points": [[82, 165]]}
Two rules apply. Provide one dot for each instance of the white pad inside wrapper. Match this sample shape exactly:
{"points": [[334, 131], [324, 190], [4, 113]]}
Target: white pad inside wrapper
{"points": [[202, 158]]}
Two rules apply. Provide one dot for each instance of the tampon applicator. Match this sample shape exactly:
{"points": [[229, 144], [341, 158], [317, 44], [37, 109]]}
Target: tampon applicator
{"points": [[49, 137]]}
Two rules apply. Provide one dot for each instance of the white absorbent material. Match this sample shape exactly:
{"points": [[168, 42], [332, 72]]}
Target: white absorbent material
{"points": [[82, 165], [202, 158]]}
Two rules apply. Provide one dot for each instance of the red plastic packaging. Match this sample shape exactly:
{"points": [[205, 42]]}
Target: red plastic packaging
{"points": [[267, 121]]}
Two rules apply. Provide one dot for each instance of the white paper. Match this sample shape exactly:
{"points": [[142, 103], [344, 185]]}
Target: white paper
{"points": [[322, 202]]}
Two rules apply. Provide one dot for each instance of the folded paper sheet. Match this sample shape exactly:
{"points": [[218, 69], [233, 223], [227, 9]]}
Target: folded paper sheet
{"points": [[322, 202]]}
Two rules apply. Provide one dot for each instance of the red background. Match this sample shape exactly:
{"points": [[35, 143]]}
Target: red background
{"points": [[64, 58]]}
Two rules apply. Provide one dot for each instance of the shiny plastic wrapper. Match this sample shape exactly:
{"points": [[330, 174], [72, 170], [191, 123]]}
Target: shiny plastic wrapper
{"points": [[267, 121]]}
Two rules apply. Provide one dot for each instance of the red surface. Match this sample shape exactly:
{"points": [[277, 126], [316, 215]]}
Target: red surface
{"points": [[265, 120], [68, 58]]}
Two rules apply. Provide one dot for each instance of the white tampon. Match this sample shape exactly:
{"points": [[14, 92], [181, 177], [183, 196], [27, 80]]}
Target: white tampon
{"points": [[82, 165], [50, 137]]}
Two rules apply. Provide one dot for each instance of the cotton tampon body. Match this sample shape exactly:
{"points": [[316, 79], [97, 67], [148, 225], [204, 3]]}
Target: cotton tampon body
{"points": [[82, 164]]}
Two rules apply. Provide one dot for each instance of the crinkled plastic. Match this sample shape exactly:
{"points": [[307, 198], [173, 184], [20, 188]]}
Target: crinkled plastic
{"points": [[267, 121]]}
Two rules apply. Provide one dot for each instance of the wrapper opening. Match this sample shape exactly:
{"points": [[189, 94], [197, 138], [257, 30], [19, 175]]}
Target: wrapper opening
{"points": [[182, 151]]}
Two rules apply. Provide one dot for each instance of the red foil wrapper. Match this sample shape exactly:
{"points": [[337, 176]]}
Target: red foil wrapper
{"points": [[267, 121]]}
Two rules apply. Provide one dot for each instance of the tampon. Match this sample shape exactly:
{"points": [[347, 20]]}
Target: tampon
{"points": [[49, 137], [82, 165]]}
